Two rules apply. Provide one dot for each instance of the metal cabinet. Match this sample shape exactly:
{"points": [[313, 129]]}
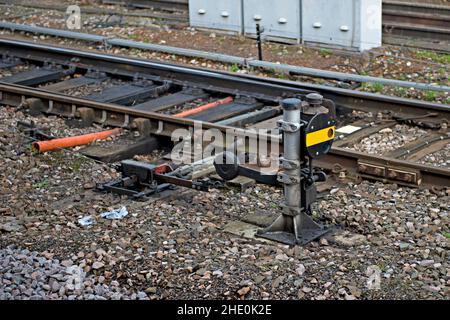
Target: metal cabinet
{"points": [[352, 24], [328, 21], [221, 15], [279, 18]]}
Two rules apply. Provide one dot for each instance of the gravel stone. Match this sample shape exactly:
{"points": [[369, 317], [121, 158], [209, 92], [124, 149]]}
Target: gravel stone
{"points": [[389, 139], [46, 287]]}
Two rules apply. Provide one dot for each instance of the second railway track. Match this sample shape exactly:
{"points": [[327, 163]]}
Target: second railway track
{"points": [[411, 24], [416, 24], [143, 95]]}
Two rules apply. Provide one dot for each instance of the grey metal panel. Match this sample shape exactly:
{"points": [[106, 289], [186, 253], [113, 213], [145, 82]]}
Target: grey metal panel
{"points": [[330, 22], [222, 15], [369, 21], [280, 18]]}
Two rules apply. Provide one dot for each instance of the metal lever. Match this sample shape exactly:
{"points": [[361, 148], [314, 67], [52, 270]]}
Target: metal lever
{"points": [[228, 167]]}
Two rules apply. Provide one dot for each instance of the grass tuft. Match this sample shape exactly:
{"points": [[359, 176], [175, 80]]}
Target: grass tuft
{"points": [[442, 58]]}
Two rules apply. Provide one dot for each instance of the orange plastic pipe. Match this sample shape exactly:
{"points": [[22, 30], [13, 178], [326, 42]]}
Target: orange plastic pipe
{"points": [[204, 107], [49, 145]]}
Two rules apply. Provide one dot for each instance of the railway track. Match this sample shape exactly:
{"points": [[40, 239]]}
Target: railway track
{"points": [[163, 13], [416, 24], [169, 5], [143, 95]]}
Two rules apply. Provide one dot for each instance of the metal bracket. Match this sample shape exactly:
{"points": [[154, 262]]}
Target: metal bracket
{"points": [[142, 179], [403, 175], [289, 127], [368, 168], [228, 167], [287, 179], [289, 164], [391, 173]]}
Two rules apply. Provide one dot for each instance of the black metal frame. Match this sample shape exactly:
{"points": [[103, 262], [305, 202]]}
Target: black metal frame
{"points": [[141, 179]]}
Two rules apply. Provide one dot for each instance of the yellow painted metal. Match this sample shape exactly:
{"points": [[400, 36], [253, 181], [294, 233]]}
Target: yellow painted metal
{"points": [[320, 136]]}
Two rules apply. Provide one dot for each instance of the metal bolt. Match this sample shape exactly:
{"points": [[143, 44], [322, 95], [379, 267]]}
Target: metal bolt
{"points": [[314, 98], [291, 104], [257, 17], [317, 25], [392, 174]]}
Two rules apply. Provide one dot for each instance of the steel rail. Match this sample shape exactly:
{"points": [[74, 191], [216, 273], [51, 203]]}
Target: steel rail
{"points": [[181, 17], [317, 73], [115, 64], [268, 88], [10, 92], [161, 4], [418, 7], [364, 101], [164, 125], [352, 161], [420, 25]]}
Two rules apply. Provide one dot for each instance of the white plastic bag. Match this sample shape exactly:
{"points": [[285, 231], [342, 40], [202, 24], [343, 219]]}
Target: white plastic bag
{"points": [[115, 214]]}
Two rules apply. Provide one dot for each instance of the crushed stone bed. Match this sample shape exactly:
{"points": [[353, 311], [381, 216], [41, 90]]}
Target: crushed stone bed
{"points": [[176, 247], [439, 158], [29, 275], [389, 139]]}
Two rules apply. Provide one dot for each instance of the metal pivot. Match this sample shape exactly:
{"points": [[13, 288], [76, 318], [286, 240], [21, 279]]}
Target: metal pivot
{"points": [[294, 225]]}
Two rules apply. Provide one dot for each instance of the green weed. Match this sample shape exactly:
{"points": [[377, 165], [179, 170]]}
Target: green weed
{"points": [[41, 185], [325, 52], [234, 67], [431, 95], [443, 58]]}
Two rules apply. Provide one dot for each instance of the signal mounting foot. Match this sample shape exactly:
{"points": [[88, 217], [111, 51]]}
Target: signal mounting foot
{"points": [[293, 230]]}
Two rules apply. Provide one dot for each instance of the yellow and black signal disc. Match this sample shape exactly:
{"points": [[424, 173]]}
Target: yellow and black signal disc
{"points": [[319, 135]]}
